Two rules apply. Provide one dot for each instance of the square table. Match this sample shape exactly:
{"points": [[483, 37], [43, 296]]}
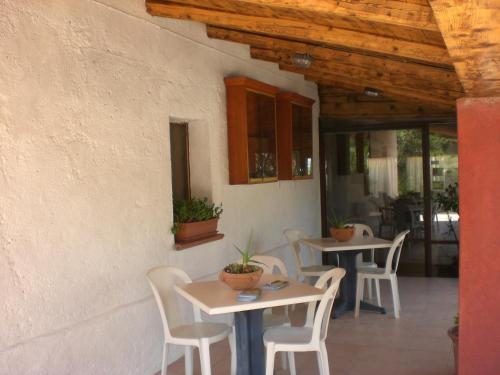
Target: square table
{"points": [[347, 251], [215, 297]]}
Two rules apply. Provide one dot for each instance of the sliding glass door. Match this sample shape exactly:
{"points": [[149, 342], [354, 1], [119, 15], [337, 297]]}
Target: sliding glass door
{"points": [[377, 177], [445, 226]]}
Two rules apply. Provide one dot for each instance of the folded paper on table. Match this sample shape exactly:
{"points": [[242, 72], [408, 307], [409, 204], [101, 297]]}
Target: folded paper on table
{"points": [[248, 295], [275, 285]]}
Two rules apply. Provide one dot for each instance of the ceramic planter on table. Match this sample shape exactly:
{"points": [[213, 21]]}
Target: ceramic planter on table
{"points": [[240, 281], [342, 234]]}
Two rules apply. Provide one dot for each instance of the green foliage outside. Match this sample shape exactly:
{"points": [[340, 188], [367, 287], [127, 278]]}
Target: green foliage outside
{"points": [[448, 200], [410, 144], [192, 210]]}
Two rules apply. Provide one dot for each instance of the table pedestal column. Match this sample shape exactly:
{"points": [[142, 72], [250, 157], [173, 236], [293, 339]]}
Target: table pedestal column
{"points": [[347, 299], [249, 344]]}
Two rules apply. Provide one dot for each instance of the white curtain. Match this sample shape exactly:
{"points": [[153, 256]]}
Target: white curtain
{"points": [[383, 176], [414, 178]]}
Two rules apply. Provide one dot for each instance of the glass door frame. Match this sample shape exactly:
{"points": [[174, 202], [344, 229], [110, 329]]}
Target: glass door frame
{"points": [[330, 125]]}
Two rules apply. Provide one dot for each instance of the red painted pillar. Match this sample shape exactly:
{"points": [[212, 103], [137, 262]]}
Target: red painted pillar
{"points": [[479, 184]]}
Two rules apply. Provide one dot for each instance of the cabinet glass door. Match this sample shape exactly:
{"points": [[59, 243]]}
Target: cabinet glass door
{"points": [[261, 117], [302, 141]]}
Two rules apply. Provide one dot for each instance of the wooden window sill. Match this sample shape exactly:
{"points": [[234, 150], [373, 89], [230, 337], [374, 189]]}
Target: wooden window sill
{"points": [[187, 245]]}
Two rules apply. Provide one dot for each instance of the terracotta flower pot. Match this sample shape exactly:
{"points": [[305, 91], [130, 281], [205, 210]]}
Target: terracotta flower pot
{"points": [[453, 333], [196, 230], [241, 281], [342, 234]]}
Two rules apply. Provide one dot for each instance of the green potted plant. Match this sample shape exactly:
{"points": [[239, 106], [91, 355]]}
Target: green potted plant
{"points": [[453, 334], [340, 230], [242, 275], [448, 201], [195, 219]]}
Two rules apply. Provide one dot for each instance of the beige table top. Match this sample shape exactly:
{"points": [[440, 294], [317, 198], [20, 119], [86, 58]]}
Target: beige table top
{"points": [[330, 244], [215, 297]]}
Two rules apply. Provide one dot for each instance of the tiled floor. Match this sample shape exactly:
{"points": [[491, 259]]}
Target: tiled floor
{"points": [[416, 344]]}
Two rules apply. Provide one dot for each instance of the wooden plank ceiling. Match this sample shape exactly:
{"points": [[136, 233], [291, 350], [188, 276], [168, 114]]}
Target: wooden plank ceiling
{"points": [[471, 29], [394, 46]]}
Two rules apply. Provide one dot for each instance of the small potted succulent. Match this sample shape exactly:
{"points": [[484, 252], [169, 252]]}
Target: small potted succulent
{"points": [[453, 334], [242, 275], [195, 219], [340, 230]]}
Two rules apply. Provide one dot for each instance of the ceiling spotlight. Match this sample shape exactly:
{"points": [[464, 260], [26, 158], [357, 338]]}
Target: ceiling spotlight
{"points": [[302, 60], [370, 91]]}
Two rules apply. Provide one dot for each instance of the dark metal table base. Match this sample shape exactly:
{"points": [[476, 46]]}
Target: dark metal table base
{"points": [[347, 299], [249, 345]]}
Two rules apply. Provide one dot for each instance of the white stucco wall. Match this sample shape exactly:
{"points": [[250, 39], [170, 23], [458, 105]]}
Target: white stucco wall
{"points": [[87, 89]]}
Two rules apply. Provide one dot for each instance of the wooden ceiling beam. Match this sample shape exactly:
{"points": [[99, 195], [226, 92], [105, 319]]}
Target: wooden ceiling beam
{"points": [[387, 109], [384, 76], [298, 30], [359, 86], [391, 12], [345, 104], [471, 30], [419, 71], [346, 75], [396, 93]]}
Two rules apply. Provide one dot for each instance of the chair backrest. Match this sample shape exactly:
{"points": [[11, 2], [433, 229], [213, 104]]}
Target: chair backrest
{"points": [[363, 230], [293, 236], [323, 311], [321, 283], [392, 262], [162, 280], [270, 263]]}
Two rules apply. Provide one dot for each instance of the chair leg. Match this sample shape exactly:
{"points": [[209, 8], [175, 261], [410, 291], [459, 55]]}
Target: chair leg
{"points": [[394, 289], [269, 359], [232, 346], [188, 360], [359, 294], [284, 363], [291, 363], [370, 290], [205, 357], [320, 362], [377, 291], [164, 360], [324, 359], [397, 289]]}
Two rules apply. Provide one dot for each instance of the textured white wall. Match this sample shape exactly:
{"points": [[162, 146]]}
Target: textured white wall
{"points": [[87, 89]]}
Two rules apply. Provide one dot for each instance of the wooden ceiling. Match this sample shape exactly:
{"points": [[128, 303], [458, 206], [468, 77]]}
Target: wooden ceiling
{"points": [[394, 46]]}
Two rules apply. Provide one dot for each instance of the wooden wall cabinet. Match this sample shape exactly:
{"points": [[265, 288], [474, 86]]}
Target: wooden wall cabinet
{"points": [[295, 148], [251, 124]]}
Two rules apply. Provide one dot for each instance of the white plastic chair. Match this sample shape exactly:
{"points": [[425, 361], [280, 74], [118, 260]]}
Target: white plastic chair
{"points": [[386, 273], [200, 334], [293, 237], [310, 337], [362, 230], [269, 264]]}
